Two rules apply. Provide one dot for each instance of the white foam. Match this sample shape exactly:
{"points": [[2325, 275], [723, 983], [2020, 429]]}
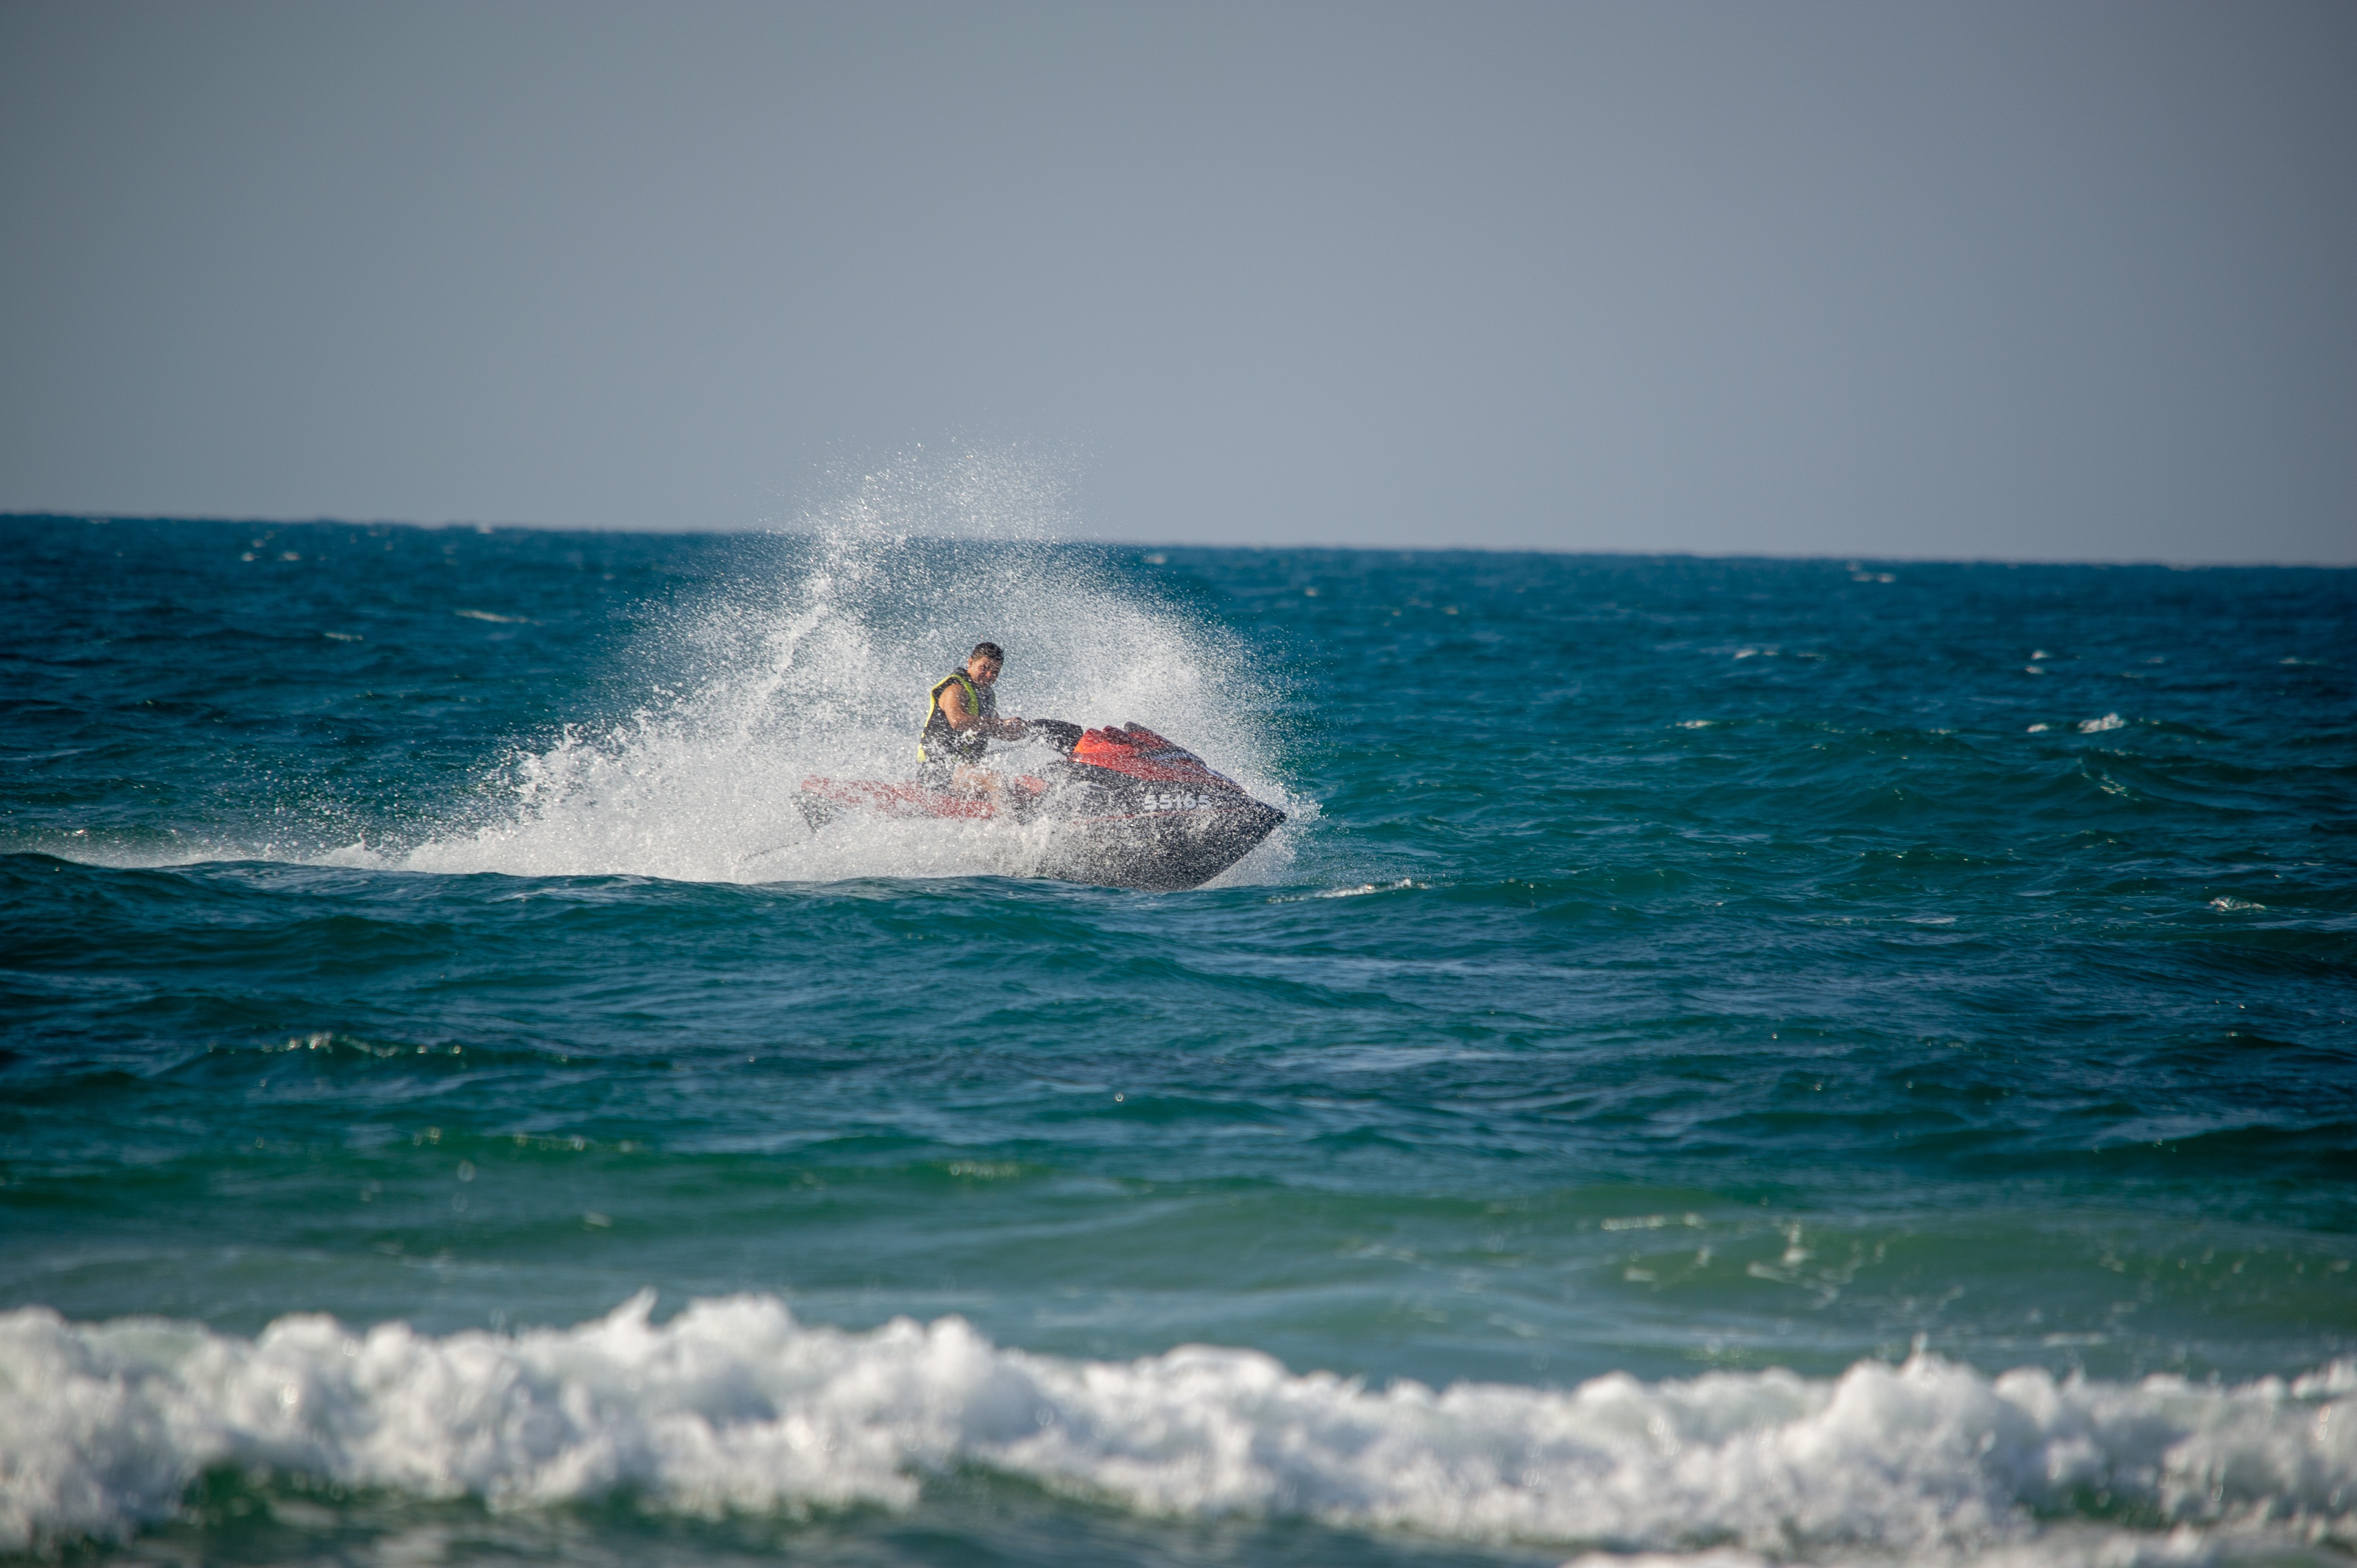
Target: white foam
{"points": [[1362, 890], [819, 664], [735, 1405]]}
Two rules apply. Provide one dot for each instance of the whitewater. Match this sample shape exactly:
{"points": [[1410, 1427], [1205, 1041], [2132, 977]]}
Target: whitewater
{"points": [[733, 1405]]}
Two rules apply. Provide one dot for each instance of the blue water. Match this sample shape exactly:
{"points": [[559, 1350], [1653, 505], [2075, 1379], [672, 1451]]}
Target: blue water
{"points": [[1889, 1023]]}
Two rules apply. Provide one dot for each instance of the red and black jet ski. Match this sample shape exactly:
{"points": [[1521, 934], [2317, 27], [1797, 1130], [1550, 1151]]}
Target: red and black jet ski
{"points": [[1126, 808]]}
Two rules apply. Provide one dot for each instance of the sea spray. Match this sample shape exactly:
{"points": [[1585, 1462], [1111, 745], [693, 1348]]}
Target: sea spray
{"points": [[816, 660]]}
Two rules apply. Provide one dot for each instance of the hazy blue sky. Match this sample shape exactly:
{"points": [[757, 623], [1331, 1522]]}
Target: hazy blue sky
{"points": [[1984, 279]]}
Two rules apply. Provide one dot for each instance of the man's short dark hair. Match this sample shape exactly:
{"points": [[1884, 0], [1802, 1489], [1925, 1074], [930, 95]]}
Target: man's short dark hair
{"points": [[989, 650]]}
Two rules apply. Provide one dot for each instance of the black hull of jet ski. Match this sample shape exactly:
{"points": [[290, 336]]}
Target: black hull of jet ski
{"points": [[1148, 851], [1158, 852]]}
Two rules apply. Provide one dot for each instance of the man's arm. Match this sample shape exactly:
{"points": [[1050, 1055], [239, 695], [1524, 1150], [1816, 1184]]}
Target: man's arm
{"points": [[963, 718]]}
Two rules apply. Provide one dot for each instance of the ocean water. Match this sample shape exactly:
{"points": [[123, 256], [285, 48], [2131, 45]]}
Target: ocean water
{"points": [[1728, 1062]]}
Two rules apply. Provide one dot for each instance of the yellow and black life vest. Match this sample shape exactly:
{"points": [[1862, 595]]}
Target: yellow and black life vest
{"points": [[939, 742]]}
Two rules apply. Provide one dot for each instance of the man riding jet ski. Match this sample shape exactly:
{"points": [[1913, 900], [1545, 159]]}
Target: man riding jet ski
{"points": [[960, 720], [1125, 808]]}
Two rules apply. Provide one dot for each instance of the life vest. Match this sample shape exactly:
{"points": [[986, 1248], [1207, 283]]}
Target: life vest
{"points": [[937, 742]]}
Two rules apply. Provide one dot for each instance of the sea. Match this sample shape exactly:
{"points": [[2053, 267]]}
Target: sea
{"points": [[1727, 1063]]}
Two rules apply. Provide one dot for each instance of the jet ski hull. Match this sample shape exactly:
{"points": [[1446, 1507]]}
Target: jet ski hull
{"points": [[1158, 852], [1125, 809]]}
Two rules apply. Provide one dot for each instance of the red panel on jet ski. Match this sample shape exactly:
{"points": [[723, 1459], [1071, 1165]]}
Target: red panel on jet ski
{"points": [[1137, 751], [897, 799], [913, 799]]}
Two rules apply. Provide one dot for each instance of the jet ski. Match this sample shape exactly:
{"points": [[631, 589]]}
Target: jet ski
{"points": [[1125, 808]]}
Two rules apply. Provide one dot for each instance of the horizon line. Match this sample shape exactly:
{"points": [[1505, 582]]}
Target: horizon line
{"points": [[774, 529]]}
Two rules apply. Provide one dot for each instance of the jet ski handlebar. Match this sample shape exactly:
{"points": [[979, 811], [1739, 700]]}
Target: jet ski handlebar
{"points": [[1063, 736]]}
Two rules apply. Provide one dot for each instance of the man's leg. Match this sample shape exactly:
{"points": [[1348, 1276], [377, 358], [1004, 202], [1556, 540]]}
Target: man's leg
{"points": [[970, 780]]}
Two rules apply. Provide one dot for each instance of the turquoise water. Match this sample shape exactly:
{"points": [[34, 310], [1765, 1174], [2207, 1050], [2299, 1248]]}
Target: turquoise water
{"points": [[1810, 1060]]}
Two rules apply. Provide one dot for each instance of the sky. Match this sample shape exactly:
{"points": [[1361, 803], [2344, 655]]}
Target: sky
{"points": [[1977, 280]]}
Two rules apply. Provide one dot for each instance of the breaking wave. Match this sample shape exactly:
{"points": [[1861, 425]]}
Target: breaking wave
{"points": [[734, 1406]]}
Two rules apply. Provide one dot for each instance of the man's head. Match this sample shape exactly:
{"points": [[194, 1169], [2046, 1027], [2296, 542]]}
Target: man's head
{"points": [[983, 664]]}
